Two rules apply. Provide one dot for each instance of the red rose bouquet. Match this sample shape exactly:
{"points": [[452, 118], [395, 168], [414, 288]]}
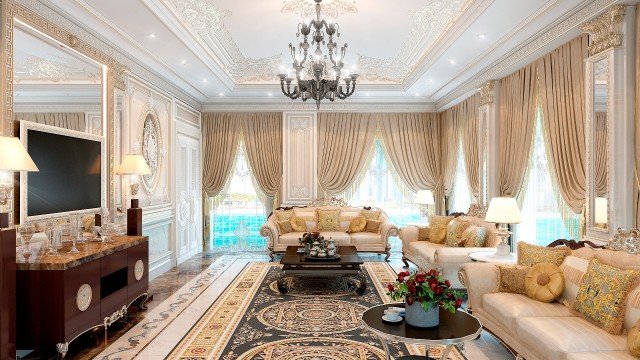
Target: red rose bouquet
{"points": [[426, 288]]}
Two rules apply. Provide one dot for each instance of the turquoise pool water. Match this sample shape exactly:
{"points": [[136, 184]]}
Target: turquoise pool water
{"points": [[242, 232]]}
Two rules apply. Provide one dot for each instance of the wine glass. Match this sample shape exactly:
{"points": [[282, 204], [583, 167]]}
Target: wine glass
{"points": [[48, 229], [56, 242], [26, 233], [73, 221]]}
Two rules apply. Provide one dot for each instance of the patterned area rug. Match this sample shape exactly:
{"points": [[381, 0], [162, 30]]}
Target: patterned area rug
{"points": [[317, 319]]}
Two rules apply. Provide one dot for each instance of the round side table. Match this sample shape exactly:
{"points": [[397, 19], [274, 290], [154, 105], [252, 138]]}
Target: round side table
{"points": [[454, 330], [491, 257]]}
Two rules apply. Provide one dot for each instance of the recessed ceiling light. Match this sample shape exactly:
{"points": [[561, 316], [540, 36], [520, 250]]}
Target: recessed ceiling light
{"points": [[183, 62], [204, 80], [452, 62], [482, 36], [152, 36], [416, 94], [270, 94], [430, 81], [221, 94]]}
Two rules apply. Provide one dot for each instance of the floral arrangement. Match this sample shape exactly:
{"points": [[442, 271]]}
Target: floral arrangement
{"points": [[425, 288], [310, 237]]}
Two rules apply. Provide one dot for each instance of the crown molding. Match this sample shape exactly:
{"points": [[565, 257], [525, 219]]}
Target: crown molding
{"points": [[299, 106], [61, 19], [55, 108], [506, 64]]}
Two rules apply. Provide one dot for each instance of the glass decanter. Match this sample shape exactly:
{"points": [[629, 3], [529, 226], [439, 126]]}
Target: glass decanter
{"points": [[26, 233]]}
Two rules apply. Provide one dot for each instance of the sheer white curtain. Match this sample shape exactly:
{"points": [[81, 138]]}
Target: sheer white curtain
{"points": [[461, 196]]}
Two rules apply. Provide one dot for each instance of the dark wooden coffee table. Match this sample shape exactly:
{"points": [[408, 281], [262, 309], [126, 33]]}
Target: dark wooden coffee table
{"points": [[454, 330], [348, 266]]}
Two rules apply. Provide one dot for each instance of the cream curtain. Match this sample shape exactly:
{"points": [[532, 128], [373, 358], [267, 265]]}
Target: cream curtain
{"points": [[70, 121], [220, 139], [516, 126], [344, 146], [636, 187], [471, 144], [452, 119], [412, 144], [561, 88], [263, 143], [600, 154]]}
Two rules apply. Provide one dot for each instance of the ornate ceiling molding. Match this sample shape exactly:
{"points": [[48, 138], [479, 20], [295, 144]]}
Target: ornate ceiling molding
{"points": [[56, 70], [506, 64], [330, 8], [208, 22], [605, 31], [342, 107], [429, 21]]}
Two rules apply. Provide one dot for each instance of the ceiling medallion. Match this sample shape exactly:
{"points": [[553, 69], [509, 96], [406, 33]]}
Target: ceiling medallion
{"points": [[330, 8], [428, 22], [322, 83]]}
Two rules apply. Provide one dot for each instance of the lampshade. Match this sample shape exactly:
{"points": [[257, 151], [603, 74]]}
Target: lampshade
{"points": [[424, 197], [13, 156], [503, 210], [133, 164], [600, 214]]}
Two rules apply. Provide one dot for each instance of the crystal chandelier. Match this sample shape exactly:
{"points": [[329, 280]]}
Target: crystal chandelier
{"points": [[318, 75]]}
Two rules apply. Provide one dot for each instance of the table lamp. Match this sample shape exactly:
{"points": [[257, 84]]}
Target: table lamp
{"points": [[601, 217], [13, 157], [134, 164], [503, 211], [424, 198]]}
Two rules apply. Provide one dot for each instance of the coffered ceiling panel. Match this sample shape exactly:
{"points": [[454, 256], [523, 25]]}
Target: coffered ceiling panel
{"points": [[409, 51]]}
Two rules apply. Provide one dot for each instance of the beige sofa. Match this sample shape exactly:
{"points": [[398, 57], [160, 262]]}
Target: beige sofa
{"points": [[548, 331], [363, 241], [427, 255]]}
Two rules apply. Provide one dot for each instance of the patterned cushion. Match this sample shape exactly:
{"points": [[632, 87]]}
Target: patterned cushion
{"points": [[544, 282], [603, 294], [474, 236], [357, 225], [298, 224], [371, 214], [423, 233], [512, 279], [454, 232], [633, 340], [284, 215], [373, 226], [529, 254], [439, 220], [328, 220], [438, 234], [285, 227]]}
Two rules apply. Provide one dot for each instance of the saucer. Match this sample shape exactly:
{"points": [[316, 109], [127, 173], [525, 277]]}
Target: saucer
{"points": [[300, 251], [385, 318]]}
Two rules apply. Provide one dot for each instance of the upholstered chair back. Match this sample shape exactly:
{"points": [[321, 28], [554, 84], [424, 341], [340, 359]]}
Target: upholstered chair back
{"points": [[492, 240], [347, 214]]}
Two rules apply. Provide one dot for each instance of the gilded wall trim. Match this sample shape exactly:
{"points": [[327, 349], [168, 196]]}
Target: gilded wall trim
{"points": [[486, 93], [605, 31]]}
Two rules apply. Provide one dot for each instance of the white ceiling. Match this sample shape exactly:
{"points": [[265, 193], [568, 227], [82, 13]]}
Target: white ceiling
{"points": [[408, 51]]}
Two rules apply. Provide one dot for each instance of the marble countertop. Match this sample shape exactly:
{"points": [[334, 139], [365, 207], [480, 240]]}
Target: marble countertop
{"points": [[89, 251]]}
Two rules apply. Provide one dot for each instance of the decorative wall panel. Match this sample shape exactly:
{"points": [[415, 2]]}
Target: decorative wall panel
{"points": [[300, 158]]}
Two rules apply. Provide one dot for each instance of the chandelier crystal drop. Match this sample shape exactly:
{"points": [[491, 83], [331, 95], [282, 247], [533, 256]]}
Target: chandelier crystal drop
{"points": [[318, 73]]}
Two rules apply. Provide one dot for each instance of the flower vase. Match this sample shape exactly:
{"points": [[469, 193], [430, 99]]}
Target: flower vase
{"points": [[416, 315]]}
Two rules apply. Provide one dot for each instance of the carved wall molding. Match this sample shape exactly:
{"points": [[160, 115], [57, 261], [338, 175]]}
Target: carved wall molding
{"points": [[330, 8], [299, 158], [150, 137], [605, 31], [79, 37], [486, 93], [501, 67], [626, 240]]}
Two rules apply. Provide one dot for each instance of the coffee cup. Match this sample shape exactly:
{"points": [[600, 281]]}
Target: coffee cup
{"points": [[392, 314]]}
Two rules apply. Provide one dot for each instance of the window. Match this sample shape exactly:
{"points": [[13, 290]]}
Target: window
{"points": [[461, 196], [379, 186], [238, 212], [545, 217]]}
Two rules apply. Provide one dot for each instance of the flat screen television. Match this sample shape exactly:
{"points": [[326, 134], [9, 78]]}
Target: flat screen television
{"points": [[71, 172]]}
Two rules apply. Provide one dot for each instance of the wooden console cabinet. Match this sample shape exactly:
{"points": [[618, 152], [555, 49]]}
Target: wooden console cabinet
{"points": [[62, 296]]}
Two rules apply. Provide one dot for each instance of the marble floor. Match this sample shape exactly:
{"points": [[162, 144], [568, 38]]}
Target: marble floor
{"points": [[180, 296]]}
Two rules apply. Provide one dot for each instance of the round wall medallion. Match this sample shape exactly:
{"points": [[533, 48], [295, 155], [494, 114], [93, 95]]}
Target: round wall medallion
{"points": [[138, 270], [83, 297], [151, 148]]}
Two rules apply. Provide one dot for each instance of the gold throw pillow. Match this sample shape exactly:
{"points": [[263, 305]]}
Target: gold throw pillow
{"points": [[603, 293], [371, 214], [284, 215], [440, 220], [298, 224], [438, 233], [285, 227], [529, 254], [328, 220], [373, 226], [454, 232], [423, 233], [633, 340], [544, 282], [512, 279], [474, 236], [357, 224]]}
